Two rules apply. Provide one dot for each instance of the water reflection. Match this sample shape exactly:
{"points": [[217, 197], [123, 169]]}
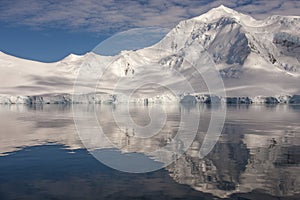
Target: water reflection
{"points": [[52, 172], [257, 156], [269, 164], [23, 126]]}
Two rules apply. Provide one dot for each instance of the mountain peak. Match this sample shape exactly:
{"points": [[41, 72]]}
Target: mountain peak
{"points": [[224, 8], [223, 11]]}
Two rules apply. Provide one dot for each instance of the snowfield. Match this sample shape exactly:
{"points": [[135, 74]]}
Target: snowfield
{"points": [[258, 61]]}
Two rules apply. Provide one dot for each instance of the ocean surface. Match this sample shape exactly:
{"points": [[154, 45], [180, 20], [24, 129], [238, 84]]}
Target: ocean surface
{"points": [[42, 155]]}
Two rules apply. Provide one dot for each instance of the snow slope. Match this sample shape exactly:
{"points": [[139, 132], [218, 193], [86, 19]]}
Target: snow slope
{"points": [[253, 58]]}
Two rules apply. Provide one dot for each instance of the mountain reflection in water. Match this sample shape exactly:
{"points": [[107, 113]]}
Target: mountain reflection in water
{"points": [[256, 157]]}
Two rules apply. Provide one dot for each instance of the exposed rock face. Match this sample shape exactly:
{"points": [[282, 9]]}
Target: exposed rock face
{"points": [[295, 99], [229, 48], [188, 99], [238, 100], [288, 44]]}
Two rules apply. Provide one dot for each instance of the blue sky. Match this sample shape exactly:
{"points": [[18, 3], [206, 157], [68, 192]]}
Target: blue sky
{"points": [[48, 30]]}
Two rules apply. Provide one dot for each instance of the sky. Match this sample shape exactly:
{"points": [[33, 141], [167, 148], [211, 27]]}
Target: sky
{"points": [[49, 30]]}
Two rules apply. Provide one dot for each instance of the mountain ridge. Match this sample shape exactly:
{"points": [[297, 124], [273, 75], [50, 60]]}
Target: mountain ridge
{"points": [[248, 53]]}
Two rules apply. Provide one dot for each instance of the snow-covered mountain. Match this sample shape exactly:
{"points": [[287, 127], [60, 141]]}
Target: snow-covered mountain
{"points": [[253, 57]]}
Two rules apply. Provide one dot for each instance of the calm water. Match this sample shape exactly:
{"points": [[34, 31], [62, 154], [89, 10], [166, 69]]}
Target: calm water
{"points": [[256, 157]]}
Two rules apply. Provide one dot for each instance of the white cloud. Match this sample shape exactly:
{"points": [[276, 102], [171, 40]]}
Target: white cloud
{"points": [[115, 15]]}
